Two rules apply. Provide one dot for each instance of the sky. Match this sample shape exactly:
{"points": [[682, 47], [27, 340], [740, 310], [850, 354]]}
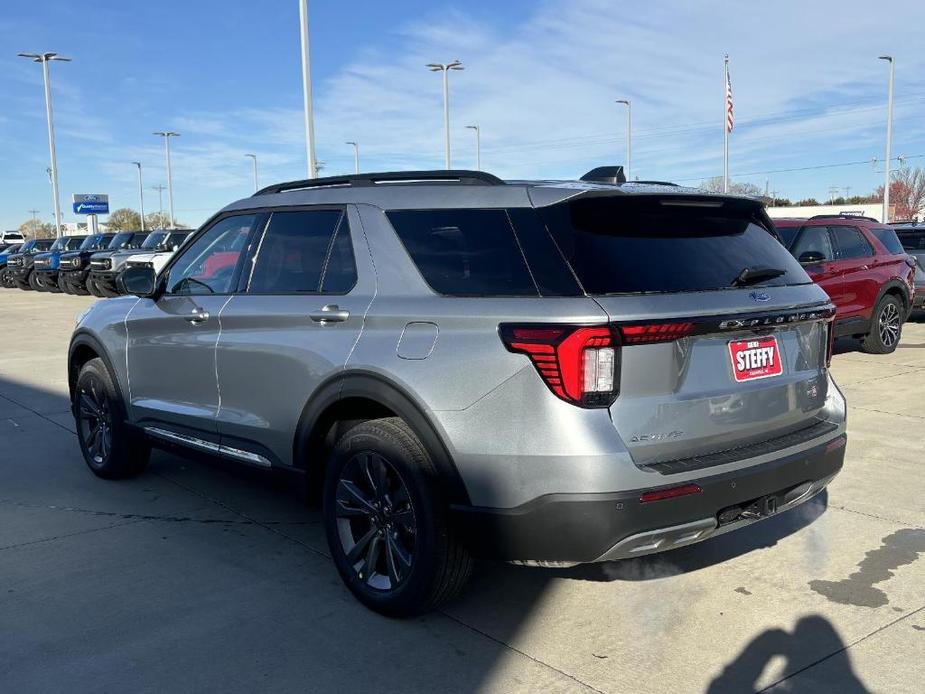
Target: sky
{"points": [[541, 79]]}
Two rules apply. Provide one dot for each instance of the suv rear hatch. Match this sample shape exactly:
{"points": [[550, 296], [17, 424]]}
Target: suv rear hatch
{"points": [[725, 339]]}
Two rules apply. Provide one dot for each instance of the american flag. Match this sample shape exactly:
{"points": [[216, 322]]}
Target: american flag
{"points": [[729, 119]]}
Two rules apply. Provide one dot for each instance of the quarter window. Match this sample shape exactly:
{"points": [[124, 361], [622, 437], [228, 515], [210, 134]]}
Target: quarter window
{"points": [[208, 263], [888, 238], [465, 252], [304, 252], [850, 243]]}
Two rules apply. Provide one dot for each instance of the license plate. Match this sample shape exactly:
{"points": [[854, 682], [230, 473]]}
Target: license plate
{"points": [[755, 358]]}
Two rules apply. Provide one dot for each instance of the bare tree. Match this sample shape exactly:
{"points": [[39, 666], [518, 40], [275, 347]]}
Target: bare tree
{"points": [[907, 193], [159, 220], [34, 229], [715, 185]]}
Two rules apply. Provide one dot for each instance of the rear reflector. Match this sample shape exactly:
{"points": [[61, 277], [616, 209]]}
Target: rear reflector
{"points": [[835, 444], [670, 493]]}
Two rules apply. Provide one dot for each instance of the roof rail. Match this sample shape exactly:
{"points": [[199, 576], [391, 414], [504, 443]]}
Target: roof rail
{"points": [[656, 183], [449, 176], [840, 215]]}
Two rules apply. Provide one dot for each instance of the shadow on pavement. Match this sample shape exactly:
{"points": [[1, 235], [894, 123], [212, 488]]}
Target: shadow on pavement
{"points": [[811, 633]]}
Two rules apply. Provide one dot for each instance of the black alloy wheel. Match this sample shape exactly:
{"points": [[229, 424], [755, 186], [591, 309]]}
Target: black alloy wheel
{"points": [[375, 521], [94, 420]]}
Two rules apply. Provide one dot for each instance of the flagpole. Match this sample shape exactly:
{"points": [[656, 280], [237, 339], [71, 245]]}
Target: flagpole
{"points": [[726, 125]]}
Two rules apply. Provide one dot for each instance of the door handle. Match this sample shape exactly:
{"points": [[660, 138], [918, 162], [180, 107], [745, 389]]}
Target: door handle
{"points": [[332, 313], [198, 316]]}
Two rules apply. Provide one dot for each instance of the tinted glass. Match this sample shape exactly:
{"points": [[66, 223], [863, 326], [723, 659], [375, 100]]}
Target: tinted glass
{"points": [[59, 243], [549, 269], [850, 243], [620, 245], [340, 271], [888, 238], [814, 240], [787, 233], [207, 265], [912, 240], [293, 250], [465, 252], [89, 242]]}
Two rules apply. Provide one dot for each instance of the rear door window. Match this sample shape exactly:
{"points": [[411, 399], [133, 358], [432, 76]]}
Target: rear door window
{"points": [[850, 243], [912, 240], [465, 252], [295, 250], [888, 238], [814, 240], [619, 245]]}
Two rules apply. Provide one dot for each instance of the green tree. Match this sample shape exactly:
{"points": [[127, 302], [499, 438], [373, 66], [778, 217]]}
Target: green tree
{"points": [[34, 229], [124, 219], [807, 202]]}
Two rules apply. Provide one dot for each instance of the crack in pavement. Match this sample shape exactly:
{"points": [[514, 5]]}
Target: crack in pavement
{"points": [[67, 535], [894, 521]]}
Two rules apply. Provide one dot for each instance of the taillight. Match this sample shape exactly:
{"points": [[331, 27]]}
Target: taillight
{"points": [[670, 493], [650, 333], [580, 364]]}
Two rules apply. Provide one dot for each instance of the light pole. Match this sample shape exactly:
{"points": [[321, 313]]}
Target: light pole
{"points": [[141, 195], [160, 198], [445, 69], [478, 146], [167, 134], [629, 137], [356, 156], [44, 59], [254, 157], [307, 91], [889, 142]]}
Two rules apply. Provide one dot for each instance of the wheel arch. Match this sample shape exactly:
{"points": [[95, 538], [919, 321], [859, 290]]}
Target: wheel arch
{"points": [[351, 398], [894, 287], [84, 347]]}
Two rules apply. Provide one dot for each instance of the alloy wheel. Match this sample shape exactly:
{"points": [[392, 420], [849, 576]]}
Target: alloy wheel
{"points": [[889, 324], [375, 521], [95, 420]]}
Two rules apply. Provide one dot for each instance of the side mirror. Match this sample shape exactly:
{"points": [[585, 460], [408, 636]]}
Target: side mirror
{"points": [[139, 280], [811, 258]]}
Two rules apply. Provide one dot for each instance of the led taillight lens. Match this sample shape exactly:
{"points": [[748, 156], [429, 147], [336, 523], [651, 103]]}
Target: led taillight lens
{"points": [[580, 364], [650, 333]]}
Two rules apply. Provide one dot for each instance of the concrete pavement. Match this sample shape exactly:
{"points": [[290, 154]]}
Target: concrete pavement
{"points": [[201, 577]]}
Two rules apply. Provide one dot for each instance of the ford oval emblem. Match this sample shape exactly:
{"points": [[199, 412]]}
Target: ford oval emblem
{"points": [[760, 297]]}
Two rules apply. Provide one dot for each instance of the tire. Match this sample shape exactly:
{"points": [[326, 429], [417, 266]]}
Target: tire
{"points": [[417, 564], [25, 285], [886, 327], [92, 288], [35, 282], [49, 286], [64, 285], [110, 448]]}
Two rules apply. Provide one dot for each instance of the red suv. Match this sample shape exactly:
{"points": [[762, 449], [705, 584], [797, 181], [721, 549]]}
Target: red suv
{"points": [[864, 269]]}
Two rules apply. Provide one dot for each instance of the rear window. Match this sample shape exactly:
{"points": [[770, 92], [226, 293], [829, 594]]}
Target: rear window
{"points": [[629, 245], [465, 252], [912, 240]]}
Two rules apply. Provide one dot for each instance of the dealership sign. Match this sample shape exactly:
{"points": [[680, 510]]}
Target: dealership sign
{"points": [[91, 203]]}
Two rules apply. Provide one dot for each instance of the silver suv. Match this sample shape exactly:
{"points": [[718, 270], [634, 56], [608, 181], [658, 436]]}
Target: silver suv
{"points": [[540, 372]]}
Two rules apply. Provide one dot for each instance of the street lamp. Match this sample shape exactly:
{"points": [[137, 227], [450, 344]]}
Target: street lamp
{"points": [[356, 156], [254, 157], [478, 145], [307, 91], [889, 142], [167, 134], [44, 59], [629, 137], [445, 69], [141, 195]]}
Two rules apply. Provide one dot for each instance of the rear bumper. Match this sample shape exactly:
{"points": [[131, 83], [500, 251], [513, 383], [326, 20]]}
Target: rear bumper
{"points": [[579, 528]]}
